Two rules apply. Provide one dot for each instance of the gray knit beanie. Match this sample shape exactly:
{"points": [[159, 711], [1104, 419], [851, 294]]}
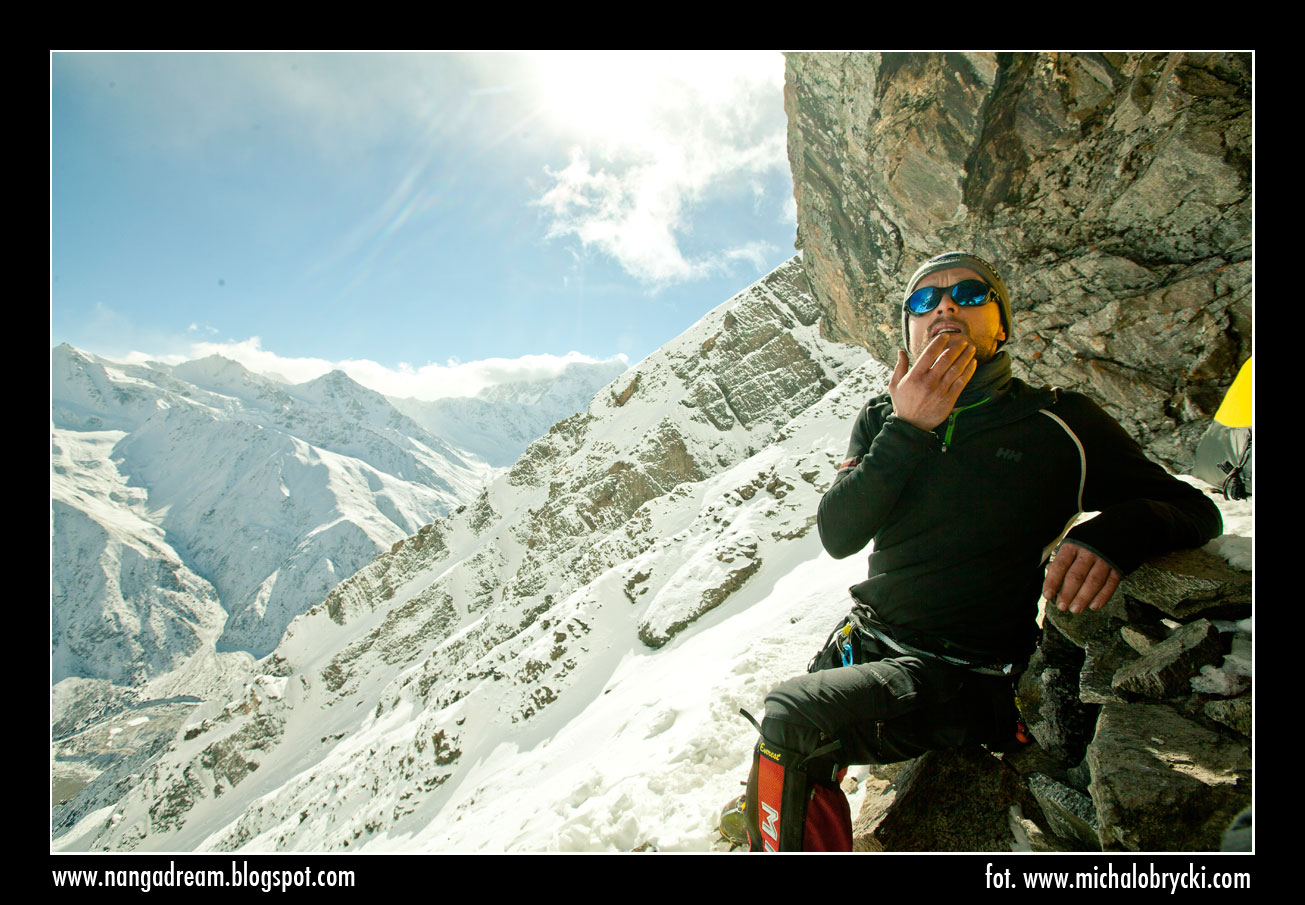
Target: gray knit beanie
{"points": [[959, 259]]}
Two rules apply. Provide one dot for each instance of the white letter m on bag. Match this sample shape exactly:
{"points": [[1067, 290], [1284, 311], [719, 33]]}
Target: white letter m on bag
{"points": [[768, 826]]}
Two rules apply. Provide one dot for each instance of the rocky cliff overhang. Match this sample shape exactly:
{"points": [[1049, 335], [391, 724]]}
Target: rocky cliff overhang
{"points": [[1112, 191]]}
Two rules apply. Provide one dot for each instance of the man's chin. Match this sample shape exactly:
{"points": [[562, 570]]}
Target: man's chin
{"points": [[983, 356]]}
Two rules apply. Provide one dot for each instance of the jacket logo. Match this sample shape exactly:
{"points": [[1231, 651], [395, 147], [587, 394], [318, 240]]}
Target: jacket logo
{"points": [[1013, 455]]}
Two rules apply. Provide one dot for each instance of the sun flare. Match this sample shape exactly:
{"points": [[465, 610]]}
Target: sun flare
{"points": [[627, 100]]}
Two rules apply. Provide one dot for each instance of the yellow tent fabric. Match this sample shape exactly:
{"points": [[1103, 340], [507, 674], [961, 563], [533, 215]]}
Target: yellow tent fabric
{"points": [[1235, 410]]}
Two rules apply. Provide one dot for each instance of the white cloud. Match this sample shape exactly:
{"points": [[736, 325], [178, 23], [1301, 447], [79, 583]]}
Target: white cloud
{"points": [[430, 381], [755, 253], [661, 133], [459, 378], [788, 213]]}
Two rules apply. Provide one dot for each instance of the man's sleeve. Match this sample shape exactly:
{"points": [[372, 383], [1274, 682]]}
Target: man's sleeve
{"points": [[1144, 512], [881, 457]]}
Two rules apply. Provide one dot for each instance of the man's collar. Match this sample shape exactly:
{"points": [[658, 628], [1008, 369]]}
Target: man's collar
{"points": [[990, 381]]}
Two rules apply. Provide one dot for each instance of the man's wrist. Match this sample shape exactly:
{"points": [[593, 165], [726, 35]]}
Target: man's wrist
{"points": [[908, 427]]}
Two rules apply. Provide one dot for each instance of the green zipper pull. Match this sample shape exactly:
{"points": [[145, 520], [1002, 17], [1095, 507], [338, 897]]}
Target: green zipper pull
{"points": [[951, 421]]}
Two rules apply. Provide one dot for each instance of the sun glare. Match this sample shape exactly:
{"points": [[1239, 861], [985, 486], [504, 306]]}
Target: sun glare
{"points": [[598, 97], [624, 100]]}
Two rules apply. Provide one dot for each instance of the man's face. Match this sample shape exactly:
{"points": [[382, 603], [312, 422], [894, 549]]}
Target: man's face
{"points": [[980, 324]]}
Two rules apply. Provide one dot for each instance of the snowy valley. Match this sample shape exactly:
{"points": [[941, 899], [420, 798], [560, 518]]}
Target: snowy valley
{"points": [[197, 509]]}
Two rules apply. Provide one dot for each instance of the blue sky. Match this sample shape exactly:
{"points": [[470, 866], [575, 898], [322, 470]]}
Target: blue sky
{"points": [[430, 223]]}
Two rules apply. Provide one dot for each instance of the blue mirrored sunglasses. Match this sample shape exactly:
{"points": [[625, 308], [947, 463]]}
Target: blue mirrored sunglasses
{"points": [[966, 292]]}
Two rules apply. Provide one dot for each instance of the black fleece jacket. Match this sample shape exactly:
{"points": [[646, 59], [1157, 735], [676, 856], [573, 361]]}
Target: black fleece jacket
{"points": [[964, 516]]}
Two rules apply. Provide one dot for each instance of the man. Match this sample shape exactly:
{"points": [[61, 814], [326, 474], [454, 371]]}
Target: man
{"points": [[966, 480]]}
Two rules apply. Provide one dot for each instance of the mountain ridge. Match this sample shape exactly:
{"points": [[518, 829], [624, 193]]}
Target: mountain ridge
{"points": [[611, 534], [194, 520]]}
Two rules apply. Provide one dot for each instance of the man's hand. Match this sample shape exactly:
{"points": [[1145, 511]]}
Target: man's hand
{"points": [[1078, 578], [925, 393]]}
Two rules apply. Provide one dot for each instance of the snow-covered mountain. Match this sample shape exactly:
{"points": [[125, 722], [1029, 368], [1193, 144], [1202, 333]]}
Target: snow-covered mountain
{"points": [[272, 493], [641, 572], [197, 509], [499, 422]]}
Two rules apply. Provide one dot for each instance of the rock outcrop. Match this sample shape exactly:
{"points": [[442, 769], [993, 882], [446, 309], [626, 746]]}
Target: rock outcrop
{"points": [[955, 800], [1163, 772], [1112, 191]]}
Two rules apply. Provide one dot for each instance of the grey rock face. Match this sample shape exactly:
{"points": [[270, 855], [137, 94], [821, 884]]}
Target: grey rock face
{"points": [[1112, 192], [1191, 583], [1104, 660], [1091, 626], [1049, 701], [1068, 811], [1166, 669], [1234, 713], [1161, 782], [953, 800], [1142, 638]]}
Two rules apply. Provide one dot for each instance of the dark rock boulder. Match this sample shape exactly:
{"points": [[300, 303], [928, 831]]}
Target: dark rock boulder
{"points": [[1235, 713], [1069, 812], [1049, 701], [1161, 782], [1166, 670], [1191, 583], [954, 800]]}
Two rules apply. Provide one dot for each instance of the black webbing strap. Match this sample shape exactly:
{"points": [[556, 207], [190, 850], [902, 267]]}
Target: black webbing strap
{"points": [[829, 748], [863, 620]]}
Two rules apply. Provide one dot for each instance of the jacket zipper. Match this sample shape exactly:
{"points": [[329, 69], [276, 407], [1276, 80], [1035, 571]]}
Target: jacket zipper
{"points": [[951, 421]]}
